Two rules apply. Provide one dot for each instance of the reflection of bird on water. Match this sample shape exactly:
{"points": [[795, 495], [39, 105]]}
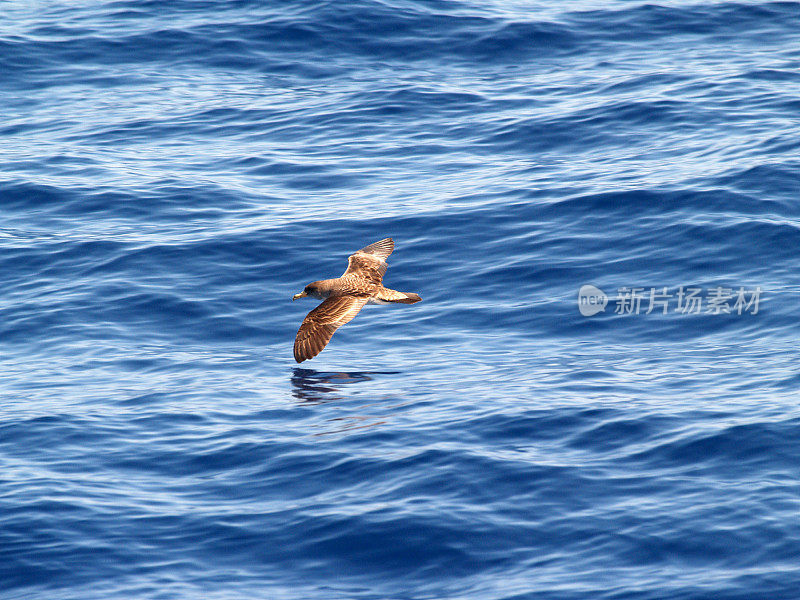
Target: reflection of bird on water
{"points": [[345, 296], [317, 386]]}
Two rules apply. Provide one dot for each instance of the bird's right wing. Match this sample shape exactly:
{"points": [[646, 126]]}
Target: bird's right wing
{"points": [[320, 324], [370, 262], [381, 249]]}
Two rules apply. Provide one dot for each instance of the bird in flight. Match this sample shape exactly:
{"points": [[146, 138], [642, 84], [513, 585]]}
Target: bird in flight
{"points": [[344, 296]]}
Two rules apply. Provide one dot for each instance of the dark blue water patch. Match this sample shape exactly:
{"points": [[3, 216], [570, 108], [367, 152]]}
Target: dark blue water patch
{"points": [[741, 454], [21, 195], [362, 27], [780, 144], [725, 20], [609, 124], [643, 83], [785, 75], [386, 31], [166, 200], [527, 428], [766, 180], [524, 41]]}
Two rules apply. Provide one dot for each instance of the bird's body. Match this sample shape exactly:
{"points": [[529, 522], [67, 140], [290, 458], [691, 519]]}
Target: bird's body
{"points": [[345, 296]]}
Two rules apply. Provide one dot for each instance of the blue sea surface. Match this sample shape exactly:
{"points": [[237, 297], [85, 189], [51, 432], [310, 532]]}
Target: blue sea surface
{"points": [[171, 173]]}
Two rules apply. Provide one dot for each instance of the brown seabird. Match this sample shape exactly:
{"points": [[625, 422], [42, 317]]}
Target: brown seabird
{"points": [[344, 296]]}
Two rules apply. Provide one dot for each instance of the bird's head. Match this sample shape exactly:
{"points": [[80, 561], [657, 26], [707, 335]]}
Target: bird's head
{"points": [[310, 290]]}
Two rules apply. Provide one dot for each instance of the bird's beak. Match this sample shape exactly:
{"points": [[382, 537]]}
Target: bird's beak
{"points": [[300, 295]]}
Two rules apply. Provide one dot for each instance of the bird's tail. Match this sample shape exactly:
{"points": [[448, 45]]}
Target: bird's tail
{"points": [[387, 295]]}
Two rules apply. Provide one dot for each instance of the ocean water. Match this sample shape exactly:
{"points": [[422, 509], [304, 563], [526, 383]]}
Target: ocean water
{"points": [[171, 173]]}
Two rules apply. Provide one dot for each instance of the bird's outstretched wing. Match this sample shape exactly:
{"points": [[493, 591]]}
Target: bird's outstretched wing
{"points": [[370, 262], [320, 324]]}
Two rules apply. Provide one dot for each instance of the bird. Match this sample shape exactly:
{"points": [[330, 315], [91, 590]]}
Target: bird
{"points": [[345, 296]]}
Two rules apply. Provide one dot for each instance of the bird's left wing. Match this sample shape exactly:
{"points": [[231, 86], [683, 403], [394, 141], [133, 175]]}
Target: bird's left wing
{"points": [[320, 324]]}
